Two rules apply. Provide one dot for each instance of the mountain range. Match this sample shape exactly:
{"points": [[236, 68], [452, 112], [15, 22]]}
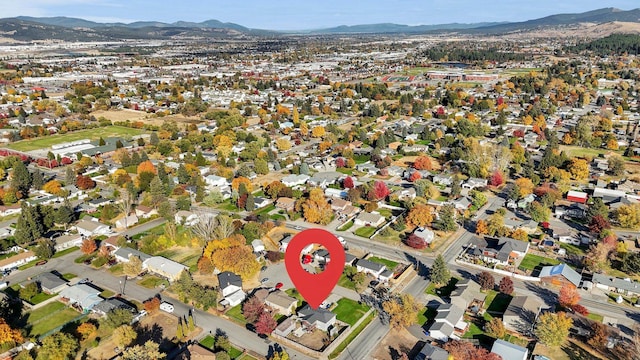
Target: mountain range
{"points": [[24, 28]]}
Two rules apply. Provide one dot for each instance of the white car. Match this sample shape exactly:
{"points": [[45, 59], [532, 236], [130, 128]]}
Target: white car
{"points": [[342, 240], [165, 306]]}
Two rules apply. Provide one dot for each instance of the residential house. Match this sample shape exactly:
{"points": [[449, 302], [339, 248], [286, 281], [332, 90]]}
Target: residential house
{"points": [[369, 219], [101, 201], [406, 194], [295, 180], [261, 202], [145, 212], [281, 302], [195, 351], [574, 210], [123, 254], [339, 205], [286, 327], [284, 243], [126, 221], [502, 251], [324, 179], [215, 181], [529, 226], [448, 323], [577, 196], [67, 241], [285, 203], [164, 267], [462, 203], [349, 259], [231, 287], [51, 283], [521, 313], [370, 267], [113, 303], [186, 218], [473, 183], [367, 168], [625, 287], [567, 237], [6, 231], [509, 351], [81, 295], [90, 226], [443, 179], [17, 260], [8, 210], [431, 352], [467, 295], [257, 245], [560, 275], [321, 319], [425, 234], [394, 170]]}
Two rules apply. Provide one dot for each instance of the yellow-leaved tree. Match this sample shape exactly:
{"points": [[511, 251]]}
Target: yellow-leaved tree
{"points": [[231, 254]]}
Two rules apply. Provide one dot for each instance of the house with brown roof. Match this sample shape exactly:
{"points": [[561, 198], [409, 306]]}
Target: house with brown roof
{"points": [[17, 260], [281, 302], [196, 351], [285, 203], [145, 212]]}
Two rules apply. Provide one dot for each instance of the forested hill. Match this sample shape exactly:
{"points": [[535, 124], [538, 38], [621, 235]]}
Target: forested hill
{"points": [[610, 45]]}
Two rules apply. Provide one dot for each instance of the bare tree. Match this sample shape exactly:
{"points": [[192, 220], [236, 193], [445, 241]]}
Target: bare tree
{"points": [[205, 228], [224, 227], [125, 205]]}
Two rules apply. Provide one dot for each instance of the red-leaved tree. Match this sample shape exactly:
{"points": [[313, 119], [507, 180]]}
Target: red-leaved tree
{"points": [[266, 324], [415, 176], [496, 179], [466, 350], [252, 309], [348, 183], [88, 246], [85, 182], [568, 296], [416, 242], [380, 190], [506, 285], [580, 309], [599, 223], [340, 163]]}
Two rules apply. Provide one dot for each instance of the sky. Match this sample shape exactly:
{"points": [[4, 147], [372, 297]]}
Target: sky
{"points": [[306, 14]]}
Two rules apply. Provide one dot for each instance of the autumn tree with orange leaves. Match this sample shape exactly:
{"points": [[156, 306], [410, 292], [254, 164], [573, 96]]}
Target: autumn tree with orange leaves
{"points": [[316, 209], [88, 246], [423, 163], [420, 215], [568, 296], [231, 254], [9, 336], [146, 166]]}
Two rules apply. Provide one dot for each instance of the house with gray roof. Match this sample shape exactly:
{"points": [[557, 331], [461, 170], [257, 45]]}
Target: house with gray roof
{"points": [[113, 303], [295, 180], [370, 267], [501, 251], [369, 219], [319, 318], [467, 294], [51, 283], [430, 352], [67, 241], [448, 321], [90, 226], [281, 302], [324, 179], [560, 275], [82, 295], [621, 286], [124, 253], [521, 313], [164, 267], [509, 351]]}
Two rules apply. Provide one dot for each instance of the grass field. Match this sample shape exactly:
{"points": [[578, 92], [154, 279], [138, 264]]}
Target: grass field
{"points": [[496, 302], [49, 317], [349, 311], [93, 134], [531, 261], [365, 231], [386, 262], [235, 313], [152, 282]]}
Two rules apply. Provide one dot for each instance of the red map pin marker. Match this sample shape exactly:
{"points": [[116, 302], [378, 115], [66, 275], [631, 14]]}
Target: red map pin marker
{"points": [[314, 288]]}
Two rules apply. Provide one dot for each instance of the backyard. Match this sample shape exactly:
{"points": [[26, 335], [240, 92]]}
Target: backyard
{"points": [[49, 317], [365, 231], [93, 134], [386, 262], [531, 261], [234, 353]]}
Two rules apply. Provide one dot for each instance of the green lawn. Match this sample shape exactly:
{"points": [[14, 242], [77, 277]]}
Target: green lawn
{"points": [[573, 249], [442, 291], [345, 171], [265, 209], [40, 297], [345, 282], [208, 342], [365, 231], [49, 317], [93, 134], [107, 294], [234, 353], [294, 293], [152, 281], [235, 313], [65, 251], [427, 315], [531, 261], [346, 226], [349, 311], [69, 276], [385, 212], [356, 331], [595, 317], [386, 262], [473, 331]]}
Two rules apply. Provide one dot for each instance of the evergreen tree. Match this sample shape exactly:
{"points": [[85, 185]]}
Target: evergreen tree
{"points": [[135, 158], [29, 226], [251, 203], [156, 190], [101, 142], [446, 218], [64, 215], [179, 330], [183, 174], [125, 160], [37, 180], [143, 156], [21, 178], [69, 176], [200, 160], [119, 144], [192, 325], [162, 173], [304, 168], [153, 139], [440, 272]]}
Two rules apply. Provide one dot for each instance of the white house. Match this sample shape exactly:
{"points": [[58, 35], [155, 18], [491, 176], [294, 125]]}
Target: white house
{"points": [[370, 267], [509, 351], [257, 245], [450, 318], [231, 287], [369, 219], [164, 267], [67, 241], [284, 243], [294, 180], [425, 234], [214, 180], [17, 260], [7, 210], [320, 318], [126, 221], [90, 226], [186, 218]]}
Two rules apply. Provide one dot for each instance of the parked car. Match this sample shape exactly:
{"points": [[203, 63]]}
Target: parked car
{"points": [[41, 262], [263, 268], [264, 280], [306, 259], [165, 306], [279, 285]]}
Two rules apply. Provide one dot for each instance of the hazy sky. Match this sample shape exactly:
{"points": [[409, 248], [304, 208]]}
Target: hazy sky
{"points": [[306, 14]]}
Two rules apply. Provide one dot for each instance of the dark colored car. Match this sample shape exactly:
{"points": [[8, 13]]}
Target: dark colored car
{"points": [[41, 262]]}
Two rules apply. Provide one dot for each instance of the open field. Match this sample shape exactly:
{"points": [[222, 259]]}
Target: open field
{"points": [[92, 134], [135, 115]]}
